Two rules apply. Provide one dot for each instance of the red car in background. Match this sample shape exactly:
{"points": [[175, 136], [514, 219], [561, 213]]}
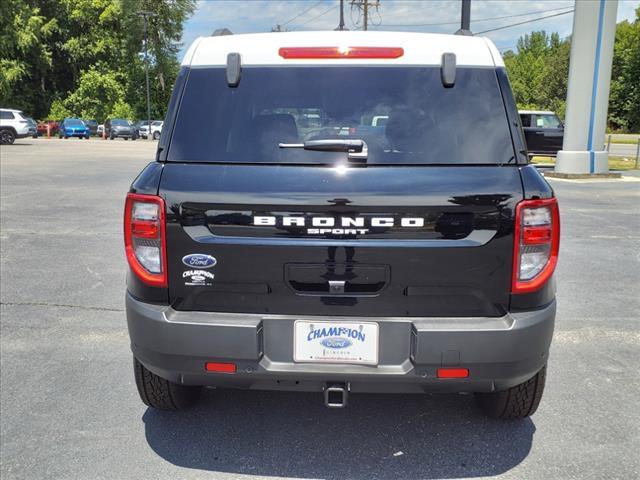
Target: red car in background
{"points": [[53, 127]]}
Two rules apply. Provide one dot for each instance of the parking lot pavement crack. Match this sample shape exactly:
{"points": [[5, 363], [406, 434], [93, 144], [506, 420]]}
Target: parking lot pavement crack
{"points": [[61, 305]]}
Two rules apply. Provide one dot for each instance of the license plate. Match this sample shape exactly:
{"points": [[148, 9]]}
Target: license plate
{"points": [[335, 342]]}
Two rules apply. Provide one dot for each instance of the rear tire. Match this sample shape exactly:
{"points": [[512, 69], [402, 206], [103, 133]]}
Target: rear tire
{"points": [[516, 402], [156, 135], [7, 137], [156, 392]]}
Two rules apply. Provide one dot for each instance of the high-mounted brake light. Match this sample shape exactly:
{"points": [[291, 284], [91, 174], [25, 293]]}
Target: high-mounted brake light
{"points": [[340, 52], [536, 244], [144, 238]]}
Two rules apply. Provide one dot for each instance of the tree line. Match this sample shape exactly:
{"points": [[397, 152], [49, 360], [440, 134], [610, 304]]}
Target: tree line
{"points": [[539, 73], [84, 58]]}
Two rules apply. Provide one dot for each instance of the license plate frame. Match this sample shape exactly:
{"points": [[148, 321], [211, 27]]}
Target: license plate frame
{"points": [[327, 342]]}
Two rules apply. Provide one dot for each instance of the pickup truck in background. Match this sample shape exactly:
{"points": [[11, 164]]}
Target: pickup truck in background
{"points": [[543, 131]]}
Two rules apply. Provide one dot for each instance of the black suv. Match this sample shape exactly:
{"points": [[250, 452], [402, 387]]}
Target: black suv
{"points": [[342, 255]]}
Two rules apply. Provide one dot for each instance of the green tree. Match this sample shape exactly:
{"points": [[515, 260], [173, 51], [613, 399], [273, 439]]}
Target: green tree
{"points": [[624, 102], [70, 50], [59, 111], [97, 93], [539, 70], [25, 52], [122, 109]]}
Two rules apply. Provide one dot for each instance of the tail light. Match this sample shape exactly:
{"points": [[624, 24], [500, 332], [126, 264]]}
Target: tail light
{"points": [[537, 240], [144, 238], [340, 52]]}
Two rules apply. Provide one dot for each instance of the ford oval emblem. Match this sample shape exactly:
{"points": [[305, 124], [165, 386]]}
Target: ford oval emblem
{"points": [[336, 342], [199, 260]]}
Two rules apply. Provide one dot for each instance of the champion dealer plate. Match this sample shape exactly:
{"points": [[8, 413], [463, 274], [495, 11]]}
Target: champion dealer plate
{"points": [[335, 342]]}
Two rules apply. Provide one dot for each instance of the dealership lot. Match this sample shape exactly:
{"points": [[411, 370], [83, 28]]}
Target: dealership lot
{"points": [[69, 408]]}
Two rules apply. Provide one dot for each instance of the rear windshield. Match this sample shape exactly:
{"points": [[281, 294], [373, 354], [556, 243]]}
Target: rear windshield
{"points": [[403, 114]]}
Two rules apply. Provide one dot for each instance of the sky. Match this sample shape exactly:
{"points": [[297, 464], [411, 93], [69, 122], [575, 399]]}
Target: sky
{"points": [[436, 16]]}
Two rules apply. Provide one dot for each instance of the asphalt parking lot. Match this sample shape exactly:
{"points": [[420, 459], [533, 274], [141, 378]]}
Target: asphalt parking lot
{"points": [[69, 408]]}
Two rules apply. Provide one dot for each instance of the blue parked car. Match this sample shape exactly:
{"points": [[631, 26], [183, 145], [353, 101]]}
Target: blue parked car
{"points": [[73, 127]]}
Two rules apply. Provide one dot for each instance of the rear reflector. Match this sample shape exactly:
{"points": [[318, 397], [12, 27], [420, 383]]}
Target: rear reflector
{"points": [[340, 52], [218, 367], [453, 372]]}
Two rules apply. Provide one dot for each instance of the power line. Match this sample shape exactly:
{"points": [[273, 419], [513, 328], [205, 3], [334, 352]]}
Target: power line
{"points": [[474, 21], [332, 7], [301, 13], [522, 23]]}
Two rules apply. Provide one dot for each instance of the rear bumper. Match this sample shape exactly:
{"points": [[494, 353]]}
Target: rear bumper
{"points": [[499, 352]]}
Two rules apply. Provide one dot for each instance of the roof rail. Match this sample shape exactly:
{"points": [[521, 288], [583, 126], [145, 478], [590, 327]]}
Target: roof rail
{"points": [[218, 32]]}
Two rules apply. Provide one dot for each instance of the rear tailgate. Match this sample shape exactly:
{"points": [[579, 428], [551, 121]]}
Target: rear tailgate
{"points": [[317, 240]]}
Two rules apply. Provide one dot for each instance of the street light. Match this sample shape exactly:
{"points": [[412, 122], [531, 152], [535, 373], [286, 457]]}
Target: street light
{"points": [[145, 15]]}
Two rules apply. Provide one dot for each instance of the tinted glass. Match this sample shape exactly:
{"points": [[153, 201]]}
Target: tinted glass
{"points": [[547, 121], [73, 122], [6, 115], [525, 118], [120, 123], [404, 115]]}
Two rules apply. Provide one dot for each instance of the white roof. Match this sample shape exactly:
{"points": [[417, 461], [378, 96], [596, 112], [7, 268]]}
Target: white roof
{"points": [[419, 48], [537, 112], [11, 110]]}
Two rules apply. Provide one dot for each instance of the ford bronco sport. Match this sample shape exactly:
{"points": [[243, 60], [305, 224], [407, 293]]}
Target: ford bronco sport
{"points": [[284, 240]]}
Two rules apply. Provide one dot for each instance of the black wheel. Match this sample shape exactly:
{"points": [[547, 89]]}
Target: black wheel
{"points": [[156, 135], [516, 402], [126, 138], [111, 137], [7, 137], [162, 394], [87, 137]]}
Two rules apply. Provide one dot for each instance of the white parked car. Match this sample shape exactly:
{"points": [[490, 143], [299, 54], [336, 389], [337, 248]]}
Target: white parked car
{"points": [[156, 129], [13, 124]]}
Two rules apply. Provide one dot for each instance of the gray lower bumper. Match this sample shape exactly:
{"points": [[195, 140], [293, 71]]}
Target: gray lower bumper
{"points": [[498, 351]]}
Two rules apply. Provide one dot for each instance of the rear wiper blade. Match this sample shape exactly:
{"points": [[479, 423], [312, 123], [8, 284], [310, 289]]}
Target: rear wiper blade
{"points": [[356, 148]]}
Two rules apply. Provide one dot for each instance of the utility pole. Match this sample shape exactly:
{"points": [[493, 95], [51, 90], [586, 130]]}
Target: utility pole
{"points": [[366, 14], [365, 4], [146, 15]]}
